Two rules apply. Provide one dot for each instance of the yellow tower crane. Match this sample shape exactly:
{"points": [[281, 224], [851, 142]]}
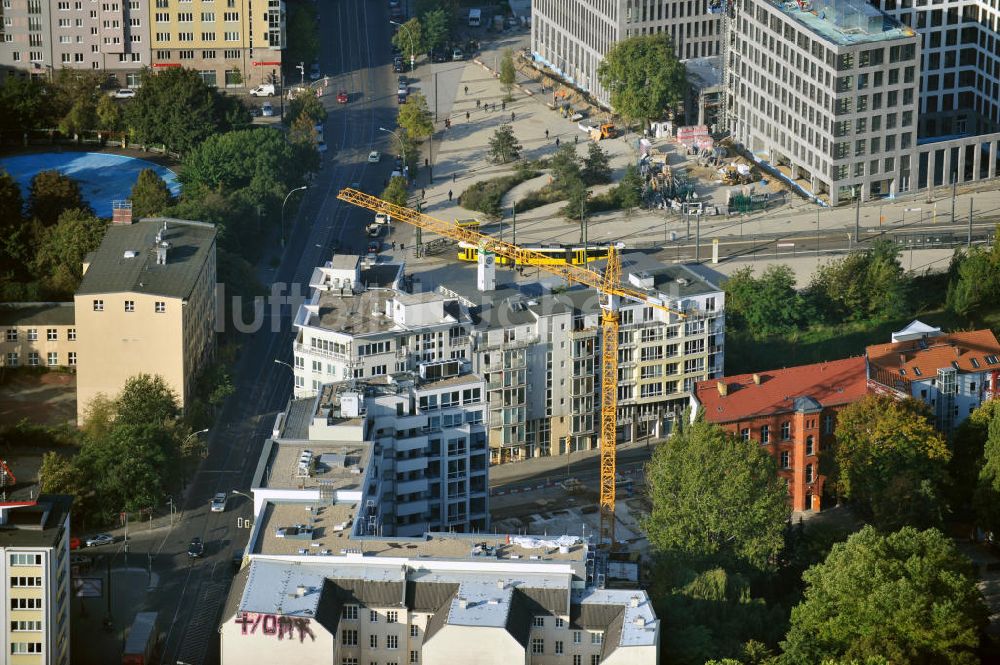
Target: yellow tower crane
{"points": [[607, 285]]}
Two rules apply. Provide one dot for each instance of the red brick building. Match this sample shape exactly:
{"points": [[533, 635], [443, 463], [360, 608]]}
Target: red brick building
{"points": [[792, 411]]}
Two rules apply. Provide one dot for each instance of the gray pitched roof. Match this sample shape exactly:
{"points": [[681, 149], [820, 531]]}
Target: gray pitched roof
{"points": [[613, 634], [330, 607], [192, 244], [591, 616], [37, 313], [519, 618], [369, 593], [546, 601], [439, 618], [429, 596], [232, 604]]}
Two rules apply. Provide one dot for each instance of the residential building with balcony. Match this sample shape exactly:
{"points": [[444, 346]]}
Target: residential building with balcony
{"points": [[38, 335], [146, 305], [571, 37], [231, 44], [34, 561], [952, 373], [40, 36], [323, 581], [790, 412]]}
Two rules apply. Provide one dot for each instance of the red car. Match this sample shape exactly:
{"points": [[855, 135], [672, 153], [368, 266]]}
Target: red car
{"points": [[342, 97]]}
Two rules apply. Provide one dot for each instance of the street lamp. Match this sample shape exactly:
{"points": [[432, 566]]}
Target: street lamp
{"points": [[297, 189], [409, 36], [302, 71], [282, 362], [402, 146], [242, 494]]}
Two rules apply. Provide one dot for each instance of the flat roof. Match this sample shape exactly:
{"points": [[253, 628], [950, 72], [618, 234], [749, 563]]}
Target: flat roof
{"points": [[126, 259], [38, 313], [36, 523], [845, 23], [336, 465], [330, 522], [356, 314], [460, 380]]}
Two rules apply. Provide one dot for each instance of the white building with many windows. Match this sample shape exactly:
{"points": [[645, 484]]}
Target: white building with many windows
{"points": [[34, 557]]}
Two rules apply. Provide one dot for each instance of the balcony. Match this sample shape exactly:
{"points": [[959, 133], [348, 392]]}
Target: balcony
{"points": [[303, 349], [420, 485], [417, 507], [408, 465]]}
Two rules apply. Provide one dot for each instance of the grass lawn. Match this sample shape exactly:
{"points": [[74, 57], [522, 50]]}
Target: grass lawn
{"points": [[832, 342]]}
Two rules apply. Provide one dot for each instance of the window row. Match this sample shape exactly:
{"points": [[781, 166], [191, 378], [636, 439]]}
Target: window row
{"points": [[159, 306], [35, 360], [31, 334]]}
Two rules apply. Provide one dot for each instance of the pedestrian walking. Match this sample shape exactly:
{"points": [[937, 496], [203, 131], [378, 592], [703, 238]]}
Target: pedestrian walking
{"points": [[503, 106], [402, 247], [449, 195], [576, 139], [466, 89], [479, 103], [423, 193], [557, 141], [426, 162], [546, 135], [394, 245], [494, 106], [466, 116], [512, 116], [453, 176]]}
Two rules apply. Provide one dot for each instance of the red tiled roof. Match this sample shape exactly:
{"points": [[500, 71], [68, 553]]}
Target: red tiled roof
{"points": [[928, 355], [830, 383]]}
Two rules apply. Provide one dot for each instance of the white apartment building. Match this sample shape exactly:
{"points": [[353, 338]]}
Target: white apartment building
{"points": [[322, 582], [571, 37], [34, 562], [539, 355], [413, 443], [953, 373]]}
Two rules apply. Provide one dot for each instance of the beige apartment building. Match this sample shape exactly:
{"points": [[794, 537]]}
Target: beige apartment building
{"points": [[146, 305], [38, 334], [34, 564], [231, 43]]}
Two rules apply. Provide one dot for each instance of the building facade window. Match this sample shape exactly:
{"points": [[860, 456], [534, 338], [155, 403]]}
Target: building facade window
{"points": [[12, 334], [32, 334], [786, 431], [392, 641], [809, 445], [373, 616], [129, 305], [392, 616], [98, 305], [537, 645], [559, 647], [71, 359], [784, 459], [765, 434], [53, 359], [52, 334], [33, 359], [349, 638], [350, 612], [160, 307], [745, 433], [538, 622], [597, 638], [24, 559], [12, 360], [809, 473]]}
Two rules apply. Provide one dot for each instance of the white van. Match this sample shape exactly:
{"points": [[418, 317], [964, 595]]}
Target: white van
{"points": [[475, 17], [263, 90]]}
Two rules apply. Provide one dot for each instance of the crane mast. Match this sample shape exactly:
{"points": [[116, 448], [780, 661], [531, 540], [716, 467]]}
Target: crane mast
{"points": [[611, 291]]}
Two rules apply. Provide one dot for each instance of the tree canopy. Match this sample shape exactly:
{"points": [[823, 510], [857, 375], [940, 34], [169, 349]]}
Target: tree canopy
{"points": [[596, 166], [765, 305], [715, 497], [150, 195], [508, 73], [436, 28], [908, 596], [396, 192], [643, 76], [864, 285], [985, 422], [974, 279], [415, 118], [302, 23], [176, 108], [889, 461], [51, 193], [62, 248], [305, 105], [409, 38], [504, 146]]}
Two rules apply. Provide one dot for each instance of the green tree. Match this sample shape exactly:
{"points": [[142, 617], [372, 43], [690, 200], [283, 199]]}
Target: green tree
{"points": [[987, 494], [109, 114], [62, 248], [889, 461], [302, 23], [409, 38], [973, 281], [396, 191], [577, 200], [303, 132], [643, 75], [175, 107], [715, 497], [968, 444], [768, 305], [508, 73], [51, 193], [504, 146], [565, 169], [435, 28], [596, 166], [415, 118], [629, 189], [150, 195], [864, 285], [305, 105], [27, 104], [908, 596], [82, 116]]}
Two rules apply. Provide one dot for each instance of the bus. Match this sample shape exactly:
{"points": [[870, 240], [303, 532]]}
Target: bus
{"points": [[554, 254], [468, 224]]}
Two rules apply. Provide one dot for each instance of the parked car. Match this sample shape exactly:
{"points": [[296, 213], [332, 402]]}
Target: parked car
{"points": [[401, 97], [219, 502], [374, 247], [374, 157], [401, 86], [99, 539], [263, 90], [342, 97], [397, 64], [321, 146], [196, 549], [75, 543], [439, 55], [255, 112], [123, 93], [267, 110], [314, 72], [457, 54]]}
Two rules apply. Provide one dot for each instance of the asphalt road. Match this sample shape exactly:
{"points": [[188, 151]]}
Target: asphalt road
{"points": [[190, 592]]}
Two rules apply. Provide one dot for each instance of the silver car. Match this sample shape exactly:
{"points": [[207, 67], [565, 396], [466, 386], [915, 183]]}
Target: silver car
{"points": [[219, 502]]}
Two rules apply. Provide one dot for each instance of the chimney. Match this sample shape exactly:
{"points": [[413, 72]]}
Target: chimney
{"points": [[634, 601], [501, 584], [300, 591], [723, 388], [463, 603], [756, 379], [121, 212], [640, 622], [161, 253]]}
